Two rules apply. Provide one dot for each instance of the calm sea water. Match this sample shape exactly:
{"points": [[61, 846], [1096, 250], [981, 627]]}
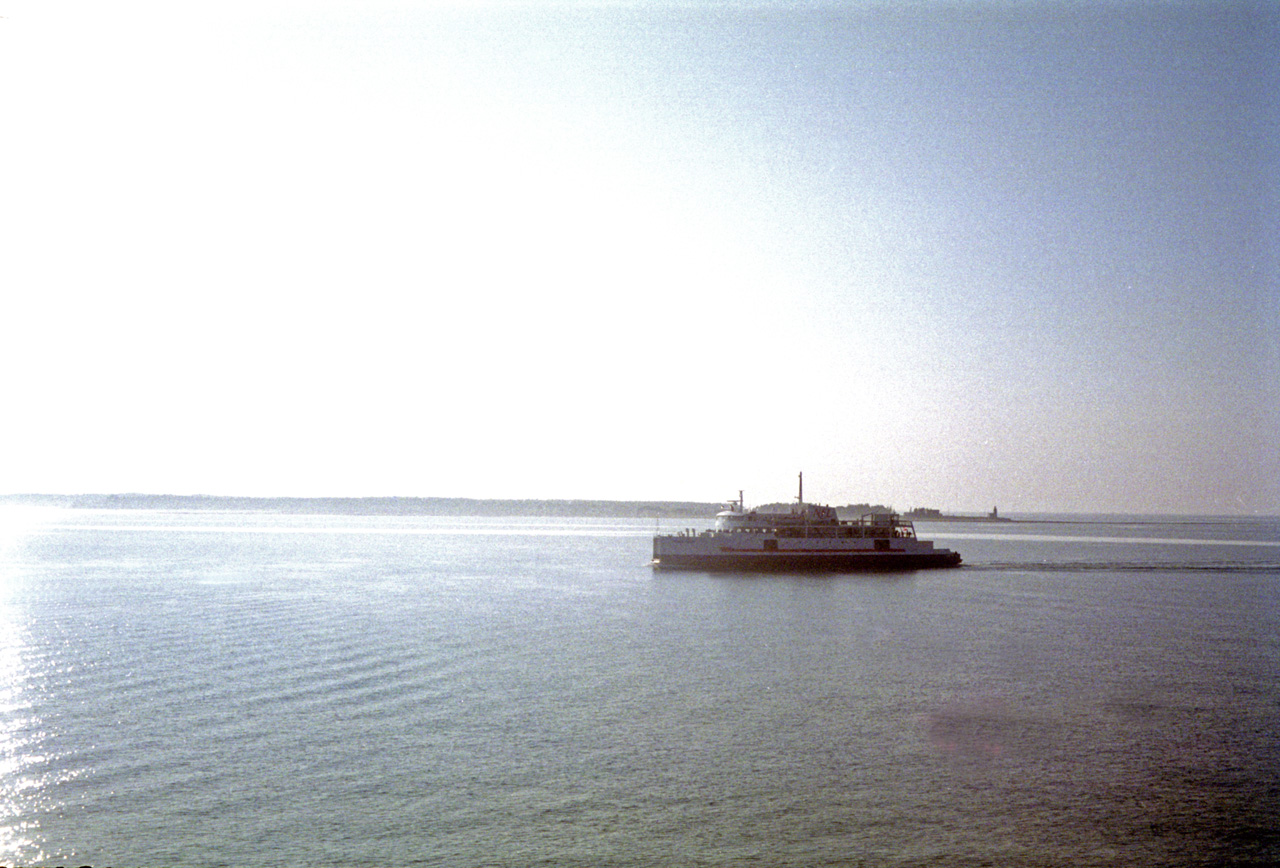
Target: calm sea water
{"points": [[193, 688]]}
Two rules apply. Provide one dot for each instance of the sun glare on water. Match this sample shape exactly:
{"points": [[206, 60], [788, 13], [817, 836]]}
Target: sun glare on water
{"points": [[20, 786]]}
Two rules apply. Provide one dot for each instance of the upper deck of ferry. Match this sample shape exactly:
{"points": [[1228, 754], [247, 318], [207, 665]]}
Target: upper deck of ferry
{"points": [[812, 520]]}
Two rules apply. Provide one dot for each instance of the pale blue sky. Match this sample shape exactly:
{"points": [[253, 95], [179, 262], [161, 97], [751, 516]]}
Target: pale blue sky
{"points": [[945, 254]]}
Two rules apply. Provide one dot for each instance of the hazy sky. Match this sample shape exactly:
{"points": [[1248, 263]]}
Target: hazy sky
{"points": [[931, 254]]}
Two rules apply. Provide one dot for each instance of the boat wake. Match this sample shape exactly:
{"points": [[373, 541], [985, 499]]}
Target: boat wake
{"points": [[1253, 567]]}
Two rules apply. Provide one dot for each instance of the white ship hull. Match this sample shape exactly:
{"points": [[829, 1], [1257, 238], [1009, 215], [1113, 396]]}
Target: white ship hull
{"points": [[712, 550]]}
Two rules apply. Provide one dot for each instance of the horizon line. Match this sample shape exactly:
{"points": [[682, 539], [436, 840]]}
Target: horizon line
{"points": [[955, 513]]}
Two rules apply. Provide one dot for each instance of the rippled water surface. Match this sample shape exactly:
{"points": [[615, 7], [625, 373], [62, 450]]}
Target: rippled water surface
{"points": [[197, 688]]}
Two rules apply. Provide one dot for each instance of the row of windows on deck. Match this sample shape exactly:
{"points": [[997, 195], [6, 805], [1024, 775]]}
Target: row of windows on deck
{"points": [[849, 531]]}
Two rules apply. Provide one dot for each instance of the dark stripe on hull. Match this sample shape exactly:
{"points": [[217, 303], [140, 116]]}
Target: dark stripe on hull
{"points": [[782, 562]]}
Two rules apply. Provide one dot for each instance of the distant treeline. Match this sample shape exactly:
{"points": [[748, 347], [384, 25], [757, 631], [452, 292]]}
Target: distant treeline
{"points": [[377, 505]]}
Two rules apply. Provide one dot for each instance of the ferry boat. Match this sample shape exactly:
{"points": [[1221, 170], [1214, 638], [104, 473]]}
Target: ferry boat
{"points": [[810, 537]]}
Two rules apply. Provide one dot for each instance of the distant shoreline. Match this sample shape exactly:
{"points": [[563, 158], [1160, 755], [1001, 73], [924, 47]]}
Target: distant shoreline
{"points": [[494, 507], [452, 506], [968, 518]]}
